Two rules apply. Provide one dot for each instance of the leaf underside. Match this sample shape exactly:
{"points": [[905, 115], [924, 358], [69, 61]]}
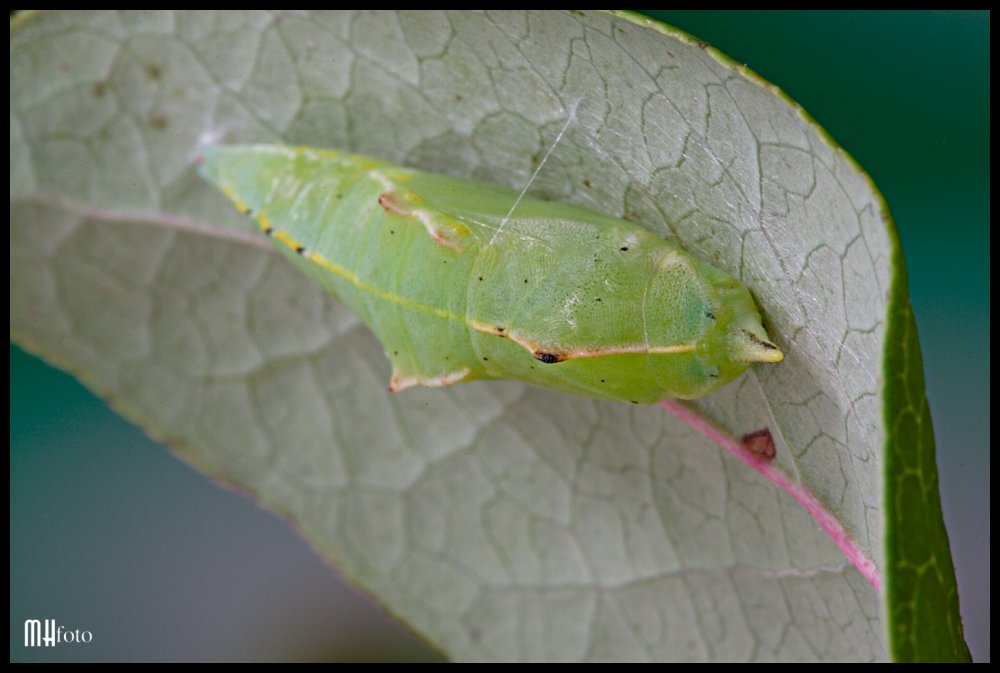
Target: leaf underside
{"points": [[500, 521]]}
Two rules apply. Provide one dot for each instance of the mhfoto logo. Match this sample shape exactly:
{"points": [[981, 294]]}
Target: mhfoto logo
{"points": [[45, 632]]}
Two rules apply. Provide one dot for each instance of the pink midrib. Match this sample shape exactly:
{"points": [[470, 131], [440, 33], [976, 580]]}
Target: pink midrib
{"points": [[817, 510]]}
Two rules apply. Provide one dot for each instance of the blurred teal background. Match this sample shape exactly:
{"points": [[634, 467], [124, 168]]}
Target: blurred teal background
{"points": [[110, 533]]}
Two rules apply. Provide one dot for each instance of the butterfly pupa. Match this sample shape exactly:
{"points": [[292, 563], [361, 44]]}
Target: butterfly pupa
{"points": [[457, 287]]}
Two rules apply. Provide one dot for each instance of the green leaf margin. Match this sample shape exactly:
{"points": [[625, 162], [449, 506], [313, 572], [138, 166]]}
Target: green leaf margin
{"points": [[921, 594]]}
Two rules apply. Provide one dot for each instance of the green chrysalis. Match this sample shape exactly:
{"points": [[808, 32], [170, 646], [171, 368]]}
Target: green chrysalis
{"points": [[459, 284]]}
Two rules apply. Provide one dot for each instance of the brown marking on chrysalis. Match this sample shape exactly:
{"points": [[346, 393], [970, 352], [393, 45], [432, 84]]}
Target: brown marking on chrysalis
{"points": [[399, 382], [430, 220], [390, 206], [760, 443], [495, 330]]}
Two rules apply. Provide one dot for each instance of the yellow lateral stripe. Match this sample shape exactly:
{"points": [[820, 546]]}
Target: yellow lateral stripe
{"points": [[356, 281], [578, 353], [288, 240], [531, 347], [575, 353], [240, 204]]}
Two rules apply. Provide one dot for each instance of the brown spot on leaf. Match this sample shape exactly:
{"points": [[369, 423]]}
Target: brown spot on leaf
{"points": [[99, 89], [158, 122], [153, 71], [760, 443]]}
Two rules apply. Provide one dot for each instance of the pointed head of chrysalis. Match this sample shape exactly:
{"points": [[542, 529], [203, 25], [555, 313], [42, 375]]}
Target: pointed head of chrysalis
{"points": [[711, 314], [738, 338]]}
